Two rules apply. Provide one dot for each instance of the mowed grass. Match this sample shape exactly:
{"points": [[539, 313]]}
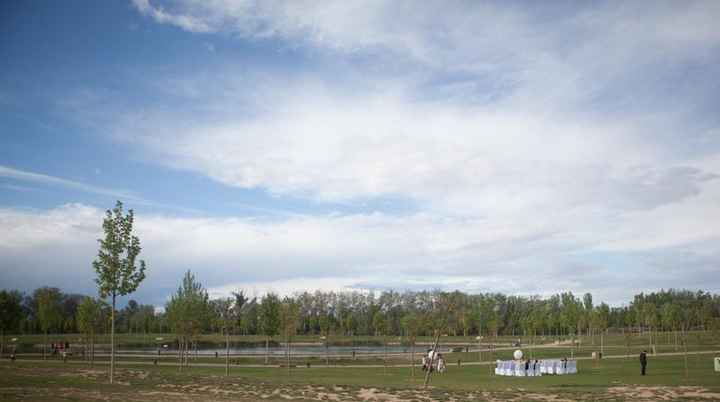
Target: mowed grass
{"points": [[592, 376]]}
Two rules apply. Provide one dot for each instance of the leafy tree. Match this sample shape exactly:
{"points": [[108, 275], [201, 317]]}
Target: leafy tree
{"points": [[269, 320], [49, 311], [228, 310], [289, 318], [89, 319], [411, 324], [671, 316], [11, 313], [117, 272], [602, 319], [648, 315], [188, 312]]}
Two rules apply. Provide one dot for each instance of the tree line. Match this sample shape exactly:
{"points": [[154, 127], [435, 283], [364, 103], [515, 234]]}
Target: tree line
{"points": [[48, 309]]}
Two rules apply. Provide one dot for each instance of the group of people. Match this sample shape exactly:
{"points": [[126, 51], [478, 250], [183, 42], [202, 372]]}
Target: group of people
{"points": [[62, 348], [427, 362]]}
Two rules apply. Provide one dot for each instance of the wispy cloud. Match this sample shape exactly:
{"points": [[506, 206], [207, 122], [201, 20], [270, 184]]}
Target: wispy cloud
{"points": [[123, 195], [186, 22], [40, 178]]}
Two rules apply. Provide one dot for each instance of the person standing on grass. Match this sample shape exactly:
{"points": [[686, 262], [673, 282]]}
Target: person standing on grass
{"points": [[643, 362]]}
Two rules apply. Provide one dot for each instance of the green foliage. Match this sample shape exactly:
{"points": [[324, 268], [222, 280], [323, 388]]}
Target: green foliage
{"points": [[270, 315], [11, 311], [379, 323], [117, 272], [49, 308], [91, 316], [188, 310], [411, 323], [289, 317]]}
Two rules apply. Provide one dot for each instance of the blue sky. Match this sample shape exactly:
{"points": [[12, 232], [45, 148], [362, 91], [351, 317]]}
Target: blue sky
{"points": [[497, 146]]}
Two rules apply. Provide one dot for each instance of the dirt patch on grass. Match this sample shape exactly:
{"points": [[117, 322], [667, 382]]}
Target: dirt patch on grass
{"points": [[664, 393], [82, 384]]}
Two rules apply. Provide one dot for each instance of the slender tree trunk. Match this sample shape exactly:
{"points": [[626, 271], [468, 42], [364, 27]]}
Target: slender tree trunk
{"points": [[188, 345], [92, 350], [287, 352], [2, 342], [385, 355], [180, 359], [412, 357], [685, 356], [112, 339], [327, 357], [267, 349], [227, 352], [45, 345]]}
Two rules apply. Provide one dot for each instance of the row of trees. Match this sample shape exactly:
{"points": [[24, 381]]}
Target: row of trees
{"points": [[62, 308], [48, 309]]}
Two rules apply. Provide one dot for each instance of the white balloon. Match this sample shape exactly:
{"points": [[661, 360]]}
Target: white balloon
{"points": [[518, 354]]}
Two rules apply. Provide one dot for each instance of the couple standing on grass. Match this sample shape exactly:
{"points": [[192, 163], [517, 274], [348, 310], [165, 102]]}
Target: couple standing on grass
{"points": [[427, 362]]}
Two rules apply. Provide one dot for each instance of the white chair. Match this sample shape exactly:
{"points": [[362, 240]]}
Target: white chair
{"points": [[561, 367], [536, 365], [557, 364], [498, 367], [509, 369], [572, 367], [519, 369]]}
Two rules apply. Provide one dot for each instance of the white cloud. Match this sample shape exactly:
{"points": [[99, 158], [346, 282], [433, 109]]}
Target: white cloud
{"points": [[185, 22], [365, 251], [525, 140]]}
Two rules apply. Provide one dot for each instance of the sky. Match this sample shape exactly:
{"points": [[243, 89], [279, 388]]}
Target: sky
{"points": [[502, 146]]}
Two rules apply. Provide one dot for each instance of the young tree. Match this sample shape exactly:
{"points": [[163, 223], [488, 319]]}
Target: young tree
{"points": [[11, 313], [380, 324], [49, 310], [671, 317], [187, 313], [269, 320], [289, 317], [648, 315], [89, 320], [227, 310], [117, 272], [602, 320], [411, 324]]}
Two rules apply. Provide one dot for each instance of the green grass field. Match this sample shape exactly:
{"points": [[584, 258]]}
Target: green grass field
{"points": [[615, 378], [609, 379]]}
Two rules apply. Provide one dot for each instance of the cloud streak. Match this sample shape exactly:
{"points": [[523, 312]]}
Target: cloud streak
{"points": [[44, 179]]}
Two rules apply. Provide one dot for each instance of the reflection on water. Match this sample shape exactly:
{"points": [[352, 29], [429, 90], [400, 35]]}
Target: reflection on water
{"points": [[278, 350]]}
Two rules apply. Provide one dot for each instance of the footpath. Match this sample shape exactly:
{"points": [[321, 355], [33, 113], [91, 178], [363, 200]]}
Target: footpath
{"points": [[320, 366]]}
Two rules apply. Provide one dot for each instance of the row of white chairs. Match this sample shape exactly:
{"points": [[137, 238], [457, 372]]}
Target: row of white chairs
{"points": [[535, 368]]}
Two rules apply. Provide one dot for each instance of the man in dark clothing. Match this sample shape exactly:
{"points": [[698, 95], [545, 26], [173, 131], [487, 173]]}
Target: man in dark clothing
{"points": [[643, 362]]}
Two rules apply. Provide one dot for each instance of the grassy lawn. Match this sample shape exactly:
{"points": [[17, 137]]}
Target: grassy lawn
{"points": [[612, 379]]}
